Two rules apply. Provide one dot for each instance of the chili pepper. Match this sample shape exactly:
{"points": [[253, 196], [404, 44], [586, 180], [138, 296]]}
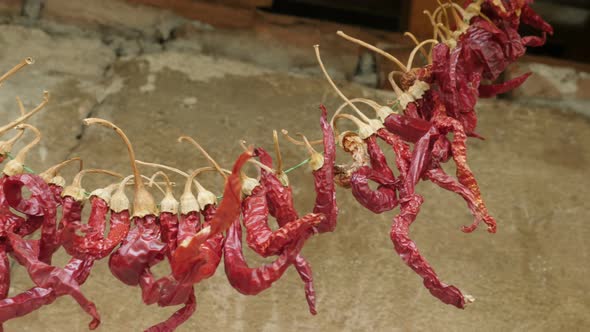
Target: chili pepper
{"points": [[488, 91], [378, 201], [178, 317], [323, 173], [228, 210], [384, 198], [408, 251], [168, 216], [280, 203], [36, 297], [93, 244], [34, 209], [251, 281], [141, 248], [31, 207], [4, 272], [259, 235], [30, 256]]}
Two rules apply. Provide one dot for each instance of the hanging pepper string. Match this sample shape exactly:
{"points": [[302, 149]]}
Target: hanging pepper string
{"points": [[87, 194]]}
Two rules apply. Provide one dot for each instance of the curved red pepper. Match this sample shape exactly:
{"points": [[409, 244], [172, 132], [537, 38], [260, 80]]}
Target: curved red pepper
{"points": [[41, 203], [407, 250], [140, 250], [281, 207], [94, 245], [260, 237], [47, 276], [384, 198], [246, 280], [325, 188], [229, 210]]}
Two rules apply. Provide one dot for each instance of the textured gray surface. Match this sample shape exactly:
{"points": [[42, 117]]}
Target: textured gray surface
{"points": [[532, 170]]}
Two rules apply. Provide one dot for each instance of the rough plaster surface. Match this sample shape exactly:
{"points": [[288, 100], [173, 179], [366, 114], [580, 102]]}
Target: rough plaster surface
{"points": [[532, 169]]}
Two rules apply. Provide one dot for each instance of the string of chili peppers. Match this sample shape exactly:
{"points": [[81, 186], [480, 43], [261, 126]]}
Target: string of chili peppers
{"points": [[433, 102]]}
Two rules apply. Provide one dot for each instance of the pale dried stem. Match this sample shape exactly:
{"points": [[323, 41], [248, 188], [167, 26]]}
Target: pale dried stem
{"points": [[25, 62], [372, 48], [419, 46], [21, 155], [415, 40], [77, 181], [317, 53], [204, 152], [25, 117]]}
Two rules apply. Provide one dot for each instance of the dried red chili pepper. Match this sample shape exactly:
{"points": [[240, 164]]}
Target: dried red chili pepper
{"points": [[280, 203], [36, 297], [251, 281], [260, 237], [4, 272], [29, 254], [407, 250], [142, 247], [94, 244], [323, 173], [228, 211]]}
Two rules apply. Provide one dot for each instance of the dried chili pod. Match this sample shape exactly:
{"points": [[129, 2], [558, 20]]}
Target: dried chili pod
{"points": [[142, 247], [251, 281], [408, 251], [260, 237], [30, 255], [94, 244], [4, 272], [228, 211], [323, 173], [168, 215], [36, 297], [280, 203], [384, 198], [464, 173], [179, 317]]}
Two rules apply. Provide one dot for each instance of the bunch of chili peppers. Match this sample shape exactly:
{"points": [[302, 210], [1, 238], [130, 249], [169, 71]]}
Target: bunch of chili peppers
{"points": [[192, 234], [434, 102]]}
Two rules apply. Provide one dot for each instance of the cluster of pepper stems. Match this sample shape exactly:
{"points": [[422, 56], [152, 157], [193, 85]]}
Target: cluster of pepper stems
{"points": [[471, 43]]}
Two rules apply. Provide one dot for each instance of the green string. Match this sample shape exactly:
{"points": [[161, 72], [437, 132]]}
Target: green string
{"points": [[24, 166]]}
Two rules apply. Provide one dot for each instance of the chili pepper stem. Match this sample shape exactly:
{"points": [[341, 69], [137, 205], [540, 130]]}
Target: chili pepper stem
{"points": [[76, 191], [415, 40], [418, 47], [53, 171], [204, 152], [168, 203], [16, 165], [25, 62], [25, 117], [143, 202], [372, 48], [6, 146]]}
